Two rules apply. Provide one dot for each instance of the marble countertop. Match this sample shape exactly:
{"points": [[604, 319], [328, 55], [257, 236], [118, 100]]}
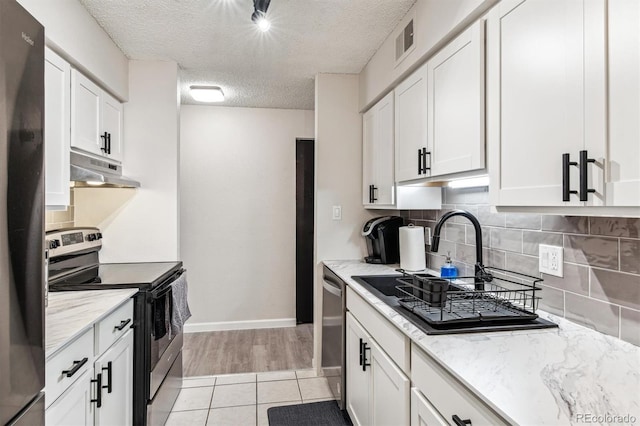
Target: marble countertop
{"points": [[529, 377], [70, 313]]}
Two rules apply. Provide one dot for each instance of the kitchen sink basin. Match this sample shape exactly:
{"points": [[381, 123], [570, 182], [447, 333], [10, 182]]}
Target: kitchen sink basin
{"points": [[385, 284], [384, 288]]}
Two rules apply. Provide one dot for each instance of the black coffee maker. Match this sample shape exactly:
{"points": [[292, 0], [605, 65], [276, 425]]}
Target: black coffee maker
{"points": [[381, 234]]}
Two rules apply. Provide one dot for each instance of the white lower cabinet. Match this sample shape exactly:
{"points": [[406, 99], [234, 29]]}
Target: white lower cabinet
{"points": [[73, 407], [377, 390], [448, 397], [423, 413], [116, 369], [102, 395]]}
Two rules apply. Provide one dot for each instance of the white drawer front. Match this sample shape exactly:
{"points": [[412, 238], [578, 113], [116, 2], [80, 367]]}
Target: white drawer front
{"points": [[113, 327], [448, 396], [56, 382], [392, 341], [423, 413]]}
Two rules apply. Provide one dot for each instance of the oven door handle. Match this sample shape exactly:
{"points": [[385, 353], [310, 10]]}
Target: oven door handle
{"points": [[166, 287]]}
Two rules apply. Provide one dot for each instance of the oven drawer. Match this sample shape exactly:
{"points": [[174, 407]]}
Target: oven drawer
{"points": [[114, 326], [65, 367]]}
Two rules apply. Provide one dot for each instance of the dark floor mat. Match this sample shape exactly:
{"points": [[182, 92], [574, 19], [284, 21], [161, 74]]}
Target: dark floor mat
{"points": [[325, 413]]}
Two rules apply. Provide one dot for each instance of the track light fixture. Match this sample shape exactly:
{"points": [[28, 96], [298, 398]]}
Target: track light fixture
{"points": [[259, 16]]}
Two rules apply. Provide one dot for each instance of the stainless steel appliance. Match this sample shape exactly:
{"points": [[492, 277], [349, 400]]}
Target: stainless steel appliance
{"points": [[74, 265], [334, 307], [21, 216], [86, 170], [382, 237]]}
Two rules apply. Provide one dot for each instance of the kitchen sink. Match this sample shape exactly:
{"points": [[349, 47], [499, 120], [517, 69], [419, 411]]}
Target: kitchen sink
{"points": [[384, 288], [384, 284]]}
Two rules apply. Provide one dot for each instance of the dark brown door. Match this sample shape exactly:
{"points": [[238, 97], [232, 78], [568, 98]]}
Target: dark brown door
{"points": [[304, 230]]}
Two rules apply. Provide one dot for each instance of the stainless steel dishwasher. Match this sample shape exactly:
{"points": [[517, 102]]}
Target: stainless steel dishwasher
{"points": [[334, 304]]}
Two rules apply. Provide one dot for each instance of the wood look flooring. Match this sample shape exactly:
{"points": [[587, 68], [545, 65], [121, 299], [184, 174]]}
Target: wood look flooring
{"points": [[248, 351]]}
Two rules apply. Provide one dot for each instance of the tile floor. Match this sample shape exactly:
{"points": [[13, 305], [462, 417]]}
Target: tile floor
{"points": [[243, 399]]}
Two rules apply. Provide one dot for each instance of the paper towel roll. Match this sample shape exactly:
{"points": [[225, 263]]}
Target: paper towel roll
{"points": [[412, 250]]}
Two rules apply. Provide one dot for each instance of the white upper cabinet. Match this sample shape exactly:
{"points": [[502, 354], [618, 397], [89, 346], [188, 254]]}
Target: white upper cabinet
{"points": [[96, 119], [378, 165], [57, 129], [455, 94], [111, 119], [623, 180], [546, 93], [412, 150], [85, 114]]}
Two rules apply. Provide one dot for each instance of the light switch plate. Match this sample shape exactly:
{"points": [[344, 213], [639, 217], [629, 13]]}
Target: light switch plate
{"points": [[337, 212], [551, 259]]}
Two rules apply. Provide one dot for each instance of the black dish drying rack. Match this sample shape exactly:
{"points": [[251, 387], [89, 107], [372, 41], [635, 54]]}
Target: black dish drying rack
{"points": [[501, 296]]}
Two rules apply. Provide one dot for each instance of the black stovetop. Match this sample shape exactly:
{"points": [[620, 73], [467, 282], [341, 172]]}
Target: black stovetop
{"points": [[145, 276]]}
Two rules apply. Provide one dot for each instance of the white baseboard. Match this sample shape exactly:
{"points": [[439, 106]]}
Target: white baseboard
{"points": [[200, 327]]}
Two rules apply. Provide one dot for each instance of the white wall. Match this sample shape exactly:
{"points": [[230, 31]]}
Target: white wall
{"points": [[141, 225], [237, 214], [72, 32], [338, 179], [435, 23]]}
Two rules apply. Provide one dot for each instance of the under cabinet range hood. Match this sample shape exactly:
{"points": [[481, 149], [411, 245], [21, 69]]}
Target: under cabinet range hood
{"points": [[89, 171]]}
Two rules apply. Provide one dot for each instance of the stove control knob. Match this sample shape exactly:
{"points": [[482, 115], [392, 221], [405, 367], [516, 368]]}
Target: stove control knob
{"points": [[53, 244], [99, 235], [91, 237]]}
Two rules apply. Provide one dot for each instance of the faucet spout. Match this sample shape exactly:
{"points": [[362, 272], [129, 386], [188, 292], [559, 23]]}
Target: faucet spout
{"points": [[480, 273]]}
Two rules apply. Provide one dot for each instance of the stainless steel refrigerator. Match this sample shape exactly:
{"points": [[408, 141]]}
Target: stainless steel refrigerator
{"points": [[21, 217]]}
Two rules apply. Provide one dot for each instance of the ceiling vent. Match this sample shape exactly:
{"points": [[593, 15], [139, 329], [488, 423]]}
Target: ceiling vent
{"points": [[404, 42]]}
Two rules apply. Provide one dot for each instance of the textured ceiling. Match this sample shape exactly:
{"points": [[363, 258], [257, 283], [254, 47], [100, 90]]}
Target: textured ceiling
{"points": [[214, 42]]}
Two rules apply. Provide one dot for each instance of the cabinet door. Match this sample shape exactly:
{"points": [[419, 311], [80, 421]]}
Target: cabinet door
{"points": [[546, 81], [423, 413], [57, 128], [358, 381], [116, 367], [73, 407], [383, 151], [389, 389], [623, 187], [85, 114], [111, 111], [368, 159], [411, 126], [455, 80]]}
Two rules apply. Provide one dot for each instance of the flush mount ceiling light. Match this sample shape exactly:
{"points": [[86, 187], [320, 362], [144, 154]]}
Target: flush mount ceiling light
{"points": [[207, 93], [259, 16]]}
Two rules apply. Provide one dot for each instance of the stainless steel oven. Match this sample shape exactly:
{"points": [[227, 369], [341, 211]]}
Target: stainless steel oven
{"points": [[157, 366]]}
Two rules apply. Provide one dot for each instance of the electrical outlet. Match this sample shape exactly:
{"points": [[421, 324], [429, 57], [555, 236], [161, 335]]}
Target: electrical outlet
{"points": [[427, 235], [551, 260]]}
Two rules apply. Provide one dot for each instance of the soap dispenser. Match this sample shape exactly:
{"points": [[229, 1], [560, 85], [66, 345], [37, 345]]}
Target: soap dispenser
{"points": [[448, 270]]}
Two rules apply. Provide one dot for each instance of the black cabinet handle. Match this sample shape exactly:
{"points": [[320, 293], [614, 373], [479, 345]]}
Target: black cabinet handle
{"points": [[108, 143], [584, 173], [424, 160], [108, 369], [459, 422], [104, 140], [98, 382], [420, 162], [76, 366], [373, 193], [566, 177], [361, 352], [365, 364], [370, 193], [122, 325]]}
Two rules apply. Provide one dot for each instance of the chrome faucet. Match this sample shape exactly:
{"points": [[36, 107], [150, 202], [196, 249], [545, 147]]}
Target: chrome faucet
{"points": [[481, 276]]}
